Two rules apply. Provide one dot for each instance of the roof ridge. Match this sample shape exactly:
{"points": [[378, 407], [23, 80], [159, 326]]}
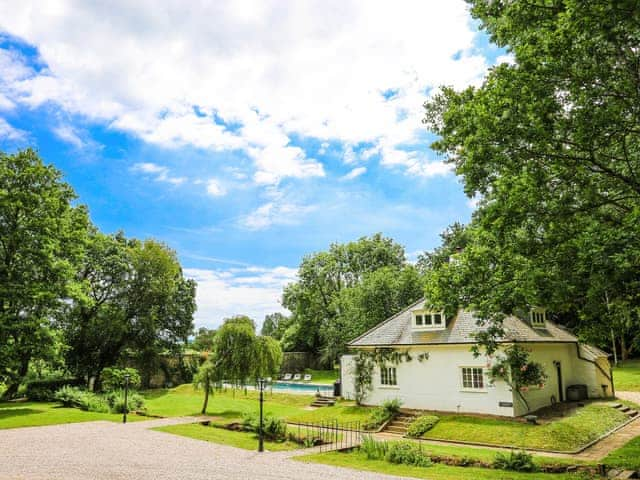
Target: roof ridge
{"points": [[422, 299]]}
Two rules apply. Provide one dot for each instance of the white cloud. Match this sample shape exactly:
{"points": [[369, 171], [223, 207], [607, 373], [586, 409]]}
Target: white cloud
{"points": [[276, 212], [276, 70], [68, 134], [414, 162], [158, 172], [214, 188], [252, 291], [7, 132], [474, 201], [356, 172], [5, 103]]}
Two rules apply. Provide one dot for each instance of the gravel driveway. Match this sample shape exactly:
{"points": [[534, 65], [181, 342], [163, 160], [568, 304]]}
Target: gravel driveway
{"points": [[111, 451]]}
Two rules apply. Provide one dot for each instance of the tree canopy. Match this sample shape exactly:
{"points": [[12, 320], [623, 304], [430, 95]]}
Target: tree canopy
{"points": [[346, 290], [68, 290], [41, 241], [132, 297], [550, 144]]}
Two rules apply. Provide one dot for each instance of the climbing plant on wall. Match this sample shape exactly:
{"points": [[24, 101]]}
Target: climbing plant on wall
{"points": [[367, 360], [516, 369]]}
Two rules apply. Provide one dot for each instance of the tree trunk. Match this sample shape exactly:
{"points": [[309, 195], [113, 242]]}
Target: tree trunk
{"points": [[206, 395], [12, 387], [624, 352]]}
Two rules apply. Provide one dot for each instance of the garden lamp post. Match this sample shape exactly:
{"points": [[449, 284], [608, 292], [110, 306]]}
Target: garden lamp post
{"points": [[126, 395], [261, 386]]}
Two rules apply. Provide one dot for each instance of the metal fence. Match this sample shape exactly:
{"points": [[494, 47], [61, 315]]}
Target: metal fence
{"points": [[328, 435]]}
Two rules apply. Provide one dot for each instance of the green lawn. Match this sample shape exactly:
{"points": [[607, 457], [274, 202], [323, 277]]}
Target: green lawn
{"points": [[626, 376], [627, 456], [566, 434], [184, 400], [323, 376], [436, 472], [35, 414], [342, 411], [245, 440]]}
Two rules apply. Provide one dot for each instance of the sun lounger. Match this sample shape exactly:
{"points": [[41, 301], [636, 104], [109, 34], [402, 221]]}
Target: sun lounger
{"points": [[307, 377], [287, 376], [297, 377]]}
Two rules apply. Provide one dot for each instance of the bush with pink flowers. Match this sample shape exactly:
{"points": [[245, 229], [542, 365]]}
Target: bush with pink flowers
{"points": [[517, 370]]}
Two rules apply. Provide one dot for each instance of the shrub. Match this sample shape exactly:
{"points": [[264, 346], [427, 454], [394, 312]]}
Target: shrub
{"points": [[115, 401], [78, 398], [421, 425], [69, 396], [93, 403], [113, 378], [374, 449], [517, 461], [45, 390], [407, 453], [382, 414], [274, 428]]}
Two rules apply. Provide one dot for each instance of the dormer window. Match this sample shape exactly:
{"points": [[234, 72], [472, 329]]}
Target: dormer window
{"points": [[538, 317], [428, 320]]}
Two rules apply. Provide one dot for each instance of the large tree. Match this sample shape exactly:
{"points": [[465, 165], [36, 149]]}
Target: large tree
{"points": [[334, 284], [551, 144], [132, 298], [41, 238]]}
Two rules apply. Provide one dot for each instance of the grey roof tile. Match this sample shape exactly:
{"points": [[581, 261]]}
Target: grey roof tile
{"points": [[460, 329]]}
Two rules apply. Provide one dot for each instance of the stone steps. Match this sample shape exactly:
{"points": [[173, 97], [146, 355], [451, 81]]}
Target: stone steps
{"points": [[621, 474], [400, 423], [323, 402], [628, 411]]}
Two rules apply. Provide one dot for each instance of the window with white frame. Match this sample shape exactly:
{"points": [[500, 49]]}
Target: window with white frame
{"points": [[388, 376], [428, 320], [538, 317], [472, 378]]}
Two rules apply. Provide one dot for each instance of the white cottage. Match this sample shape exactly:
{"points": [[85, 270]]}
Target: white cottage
{"points": [[453, 380]]}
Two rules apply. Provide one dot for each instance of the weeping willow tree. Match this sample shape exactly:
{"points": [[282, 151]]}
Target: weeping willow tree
{"points": [[238, 356]]}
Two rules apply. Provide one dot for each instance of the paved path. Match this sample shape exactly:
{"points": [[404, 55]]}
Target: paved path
{"points": [[113, 451], [629, 396]]}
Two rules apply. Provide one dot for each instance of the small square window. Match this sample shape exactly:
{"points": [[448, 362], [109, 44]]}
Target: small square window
{"points": [[388, 376], [418, 319], [427, 319], [538, 318], [472, 378], [437, 319]]}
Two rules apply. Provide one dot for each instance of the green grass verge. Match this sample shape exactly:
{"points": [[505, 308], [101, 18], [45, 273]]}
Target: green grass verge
{"points": [[436, 472], [36, 414], [566, 434], [245, 440], [488, 455], [626, 376], [627, 456]]}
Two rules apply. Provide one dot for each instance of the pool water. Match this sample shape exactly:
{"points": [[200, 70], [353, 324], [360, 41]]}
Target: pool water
{"points": [[293, 387]]}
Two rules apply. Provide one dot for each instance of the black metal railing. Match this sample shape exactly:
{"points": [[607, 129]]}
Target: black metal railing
{"points": [[327, 435]]}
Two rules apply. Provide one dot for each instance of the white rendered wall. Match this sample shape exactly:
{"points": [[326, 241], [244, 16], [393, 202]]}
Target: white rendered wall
{"points": [[347, 376], [575, 371], [436, 383]]}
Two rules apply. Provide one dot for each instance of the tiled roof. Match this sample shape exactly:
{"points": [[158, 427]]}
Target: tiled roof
{"points": [[461, 329]]}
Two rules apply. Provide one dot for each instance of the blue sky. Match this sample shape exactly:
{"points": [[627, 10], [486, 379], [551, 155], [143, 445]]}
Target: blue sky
{"points": [[246, 134]]}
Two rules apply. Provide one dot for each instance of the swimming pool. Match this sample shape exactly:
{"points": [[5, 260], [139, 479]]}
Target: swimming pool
{"points": [[308, 388]]}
